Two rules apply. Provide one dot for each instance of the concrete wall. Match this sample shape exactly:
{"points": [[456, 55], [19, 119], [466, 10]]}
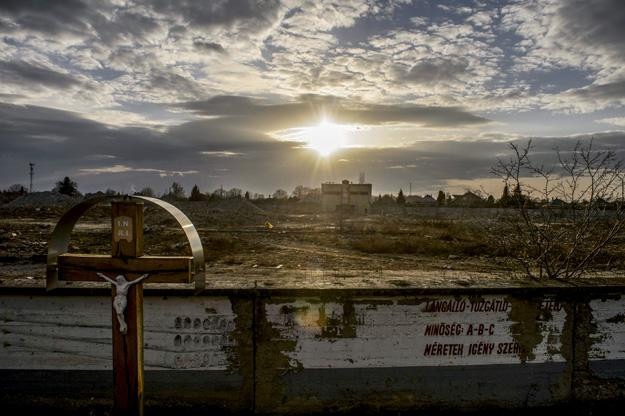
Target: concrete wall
{"points": [[301, 351], [346, 194]]}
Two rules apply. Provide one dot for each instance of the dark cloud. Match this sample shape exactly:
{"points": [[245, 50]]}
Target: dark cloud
{"points": [[10, 97], [173, 83], [249, 15], [593, 97], [209, 46], [310, 109], [609, 91], [430, 116], [110, 22], [63, 143], [51, 17], [27, 74], [99, 21], [596, 24], [434, 71], [177, 32], [67, 141], [122, 25]]}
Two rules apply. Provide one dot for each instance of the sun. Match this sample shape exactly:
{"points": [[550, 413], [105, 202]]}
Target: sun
{"points": [[325, 138]]}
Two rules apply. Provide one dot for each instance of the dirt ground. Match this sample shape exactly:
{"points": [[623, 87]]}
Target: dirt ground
{"points": [[241, 238]]}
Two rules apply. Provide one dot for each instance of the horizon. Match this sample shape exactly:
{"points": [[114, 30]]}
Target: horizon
{"points": [[267, 95]]}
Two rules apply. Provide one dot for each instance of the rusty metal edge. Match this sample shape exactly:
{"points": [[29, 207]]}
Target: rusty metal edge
{"points": [[59, 239], [599, 292]]}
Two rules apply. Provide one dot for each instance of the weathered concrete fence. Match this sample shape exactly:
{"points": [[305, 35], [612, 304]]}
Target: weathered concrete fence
{"points": [[276, 350]]}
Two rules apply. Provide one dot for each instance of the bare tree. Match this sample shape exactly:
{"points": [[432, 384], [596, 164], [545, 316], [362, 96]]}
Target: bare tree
{"points": [[563, 213], [280, 194], [234, 193], [17, 189], [175, 192], [147, 191]]}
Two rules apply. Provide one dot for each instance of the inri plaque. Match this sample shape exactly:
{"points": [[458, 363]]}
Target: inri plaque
{"points": [[122, 228]]}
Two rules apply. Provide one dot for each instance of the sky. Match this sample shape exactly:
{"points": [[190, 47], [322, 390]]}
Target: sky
{"points": [[261, 95]]}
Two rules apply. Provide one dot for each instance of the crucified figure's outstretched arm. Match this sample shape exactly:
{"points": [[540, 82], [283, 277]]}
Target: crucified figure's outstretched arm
{"points": [[133, 282], [105, 277], [139, 279]]}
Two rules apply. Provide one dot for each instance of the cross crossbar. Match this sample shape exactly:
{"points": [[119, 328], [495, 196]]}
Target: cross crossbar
{"points": [[84, 267]]}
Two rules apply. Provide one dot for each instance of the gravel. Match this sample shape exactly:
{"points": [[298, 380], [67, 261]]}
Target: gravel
{"points": [[42, 199]]}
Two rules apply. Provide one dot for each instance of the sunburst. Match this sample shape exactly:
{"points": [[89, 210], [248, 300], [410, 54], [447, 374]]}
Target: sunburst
{"points": [[325, 138]]}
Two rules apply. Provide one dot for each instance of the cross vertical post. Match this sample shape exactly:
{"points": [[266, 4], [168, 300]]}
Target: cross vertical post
{"points": [[127, 243]]}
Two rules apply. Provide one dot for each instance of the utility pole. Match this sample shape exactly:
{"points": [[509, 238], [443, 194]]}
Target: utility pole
{"points": [[32, 172]]}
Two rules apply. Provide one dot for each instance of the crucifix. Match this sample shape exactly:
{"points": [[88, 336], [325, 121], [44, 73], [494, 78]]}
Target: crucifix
{"points": [[120, 301], [131, 268]]}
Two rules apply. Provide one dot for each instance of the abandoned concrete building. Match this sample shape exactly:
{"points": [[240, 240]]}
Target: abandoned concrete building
{"points": [[468, 199], [352, 198]]}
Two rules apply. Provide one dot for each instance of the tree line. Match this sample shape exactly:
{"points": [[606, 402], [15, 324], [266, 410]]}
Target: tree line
{"points": [[176, 192]]}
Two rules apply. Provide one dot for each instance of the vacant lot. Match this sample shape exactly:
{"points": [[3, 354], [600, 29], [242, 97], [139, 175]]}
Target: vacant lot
{"points": [[238, 235]]}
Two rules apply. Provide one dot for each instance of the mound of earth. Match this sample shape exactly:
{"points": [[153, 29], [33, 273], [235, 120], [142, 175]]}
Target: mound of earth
{"points": [[42, 199]]}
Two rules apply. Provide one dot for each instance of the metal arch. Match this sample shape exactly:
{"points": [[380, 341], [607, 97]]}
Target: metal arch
{"points": [[59, 239], [195, 243]]}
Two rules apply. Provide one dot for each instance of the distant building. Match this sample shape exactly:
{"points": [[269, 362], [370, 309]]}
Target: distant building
{"points": [[421, 201], [468, 199], [353, 198]]}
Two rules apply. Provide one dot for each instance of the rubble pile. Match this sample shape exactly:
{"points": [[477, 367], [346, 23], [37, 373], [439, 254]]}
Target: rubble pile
{"points": [[41, 199], [21, 242]]}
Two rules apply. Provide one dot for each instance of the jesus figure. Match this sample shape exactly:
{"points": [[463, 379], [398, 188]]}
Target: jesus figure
{"points": [[120, 301]]}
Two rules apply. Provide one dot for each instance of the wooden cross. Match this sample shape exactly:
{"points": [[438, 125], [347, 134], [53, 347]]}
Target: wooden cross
{"points": [[126, 260]]}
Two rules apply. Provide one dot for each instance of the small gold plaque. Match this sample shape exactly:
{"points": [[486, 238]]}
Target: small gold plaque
{"points": [[122, 228]]}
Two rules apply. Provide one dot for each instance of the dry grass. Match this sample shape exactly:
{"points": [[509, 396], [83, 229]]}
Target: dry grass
{"points": [[427, 237]]}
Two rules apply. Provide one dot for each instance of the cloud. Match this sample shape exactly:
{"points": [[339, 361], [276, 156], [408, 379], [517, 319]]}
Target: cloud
{"points": [[248, 15], [593, 24], [571, 35], [26, 74], [616, 121], [149, 50], [212, 153], [173, 83], [107, 21], [63, 143], [576, 33], [209, 46], [401, 166], [609, 91], [310, 109], [10, 97], [435, 71], [427, 116], [588, 99], [224, 153], [208, 86], [125, 169], [50, 17]]}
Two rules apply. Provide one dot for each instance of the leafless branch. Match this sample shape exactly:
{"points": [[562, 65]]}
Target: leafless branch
{"points": [[562, 215]]}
